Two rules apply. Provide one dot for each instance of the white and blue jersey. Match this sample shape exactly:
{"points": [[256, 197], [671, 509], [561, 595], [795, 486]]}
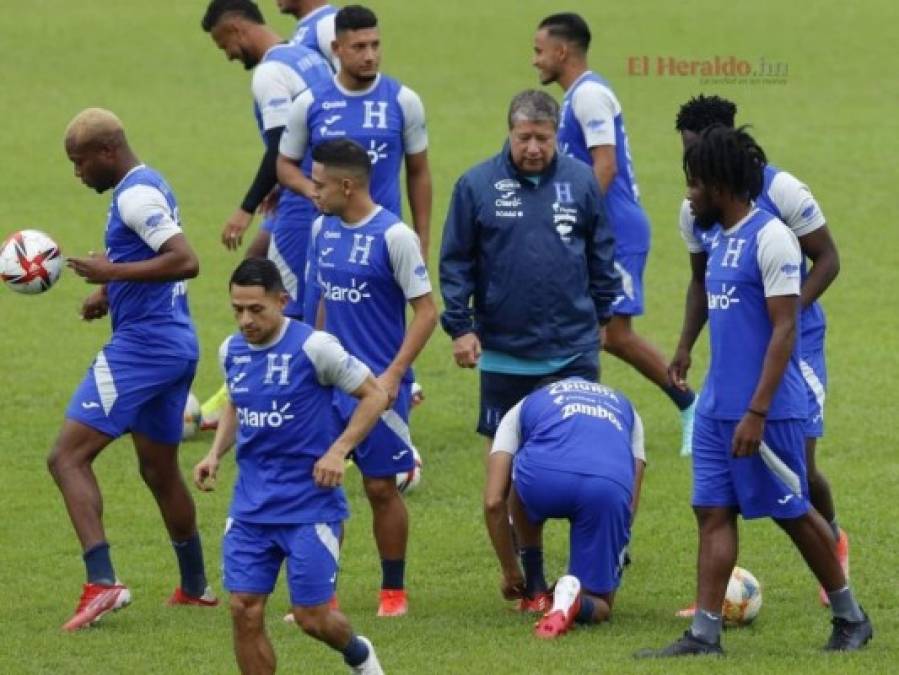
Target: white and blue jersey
{"points": [[591, 116], [316, 31], [282, 393], [756, 259]]}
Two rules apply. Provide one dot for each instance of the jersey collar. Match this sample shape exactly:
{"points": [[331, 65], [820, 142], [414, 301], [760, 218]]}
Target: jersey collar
{"points": [[740, 223], [364, 221], [361, 92], [125, 177], [285, 324]]}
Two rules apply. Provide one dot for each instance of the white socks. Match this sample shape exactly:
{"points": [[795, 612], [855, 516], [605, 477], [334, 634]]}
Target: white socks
{"points": [[568, 588]]}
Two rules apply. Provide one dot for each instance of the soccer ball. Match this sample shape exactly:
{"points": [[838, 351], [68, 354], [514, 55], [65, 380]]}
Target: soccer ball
{"points": [[192, 416], [407, 481], [30, 262], [743, 598]]}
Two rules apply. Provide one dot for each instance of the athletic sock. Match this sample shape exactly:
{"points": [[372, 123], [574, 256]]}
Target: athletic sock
{"points": [[682, 399], [835, 528], [568, 588], [585, 615], [532, 562], [706, 626], [393, 573], [844, 606], [355, 653], [99, 565], [190, 564]]}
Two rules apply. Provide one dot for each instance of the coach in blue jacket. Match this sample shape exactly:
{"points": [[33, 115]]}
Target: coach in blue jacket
{"points": [[526, 267]]}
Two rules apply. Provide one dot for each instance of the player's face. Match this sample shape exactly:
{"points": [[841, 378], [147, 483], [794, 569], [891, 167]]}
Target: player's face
{"points": [[532, 145], [228, 37], [547, 56], [258, 313], [331, 190], [703, 203], [93, 165], [359, 52]]}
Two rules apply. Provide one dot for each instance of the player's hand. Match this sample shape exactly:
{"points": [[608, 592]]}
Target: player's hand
{"points": [[270, 203], [95, 306], [748, 435], [391, 384], [95, 268], [512, 586], [232, 233], [328, 470], [205, 472], [677, 369], [417, 394], [467, 350]]}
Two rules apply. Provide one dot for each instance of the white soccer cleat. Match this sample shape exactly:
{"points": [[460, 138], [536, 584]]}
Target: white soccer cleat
{"points": [[371, 665]]}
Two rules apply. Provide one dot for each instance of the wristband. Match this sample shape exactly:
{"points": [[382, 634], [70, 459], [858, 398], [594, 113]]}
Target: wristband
{"points": [[757, 413]]}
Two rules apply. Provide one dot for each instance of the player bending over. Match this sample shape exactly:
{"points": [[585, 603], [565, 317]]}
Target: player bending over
{"points": [[288, 503], [573, 450]]}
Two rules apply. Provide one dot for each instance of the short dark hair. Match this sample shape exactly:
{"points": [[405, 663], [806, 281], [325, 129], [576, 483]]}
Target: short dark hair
{"points": [[569, 27], [727, 158], [533, 105], [343, 153], [701, 112], [258, 272], [247, 9], [354, 17]]}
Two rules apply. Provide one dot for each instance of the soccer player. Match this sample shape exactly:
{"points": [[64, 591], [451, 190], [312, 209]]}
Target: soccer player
{"points": [[791, 201], [572, 449], [288, 503], [374, 110], [592, 130], [140, 380], [369, 267], [748, 442], [315, 26]]}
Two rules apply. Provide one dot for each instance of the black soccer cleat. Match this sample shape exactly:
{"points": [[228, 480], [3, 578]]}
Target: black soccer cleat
{"points": [[687, 645], [849, 636]]}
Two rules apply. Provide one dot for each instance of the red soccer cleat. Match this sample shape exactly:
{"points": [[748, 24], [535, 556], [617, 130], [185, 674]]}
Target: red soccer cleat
{"points": [[393, 602], [539, 604], [843, 557], [179, 597], [96, 600], [555, 624]]}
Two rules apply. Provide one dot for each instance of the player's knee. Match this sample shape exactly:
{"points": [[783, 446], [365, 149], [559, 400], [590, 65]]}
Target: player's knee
{"points": [[247, 613], [381, 492], [310, 621]]}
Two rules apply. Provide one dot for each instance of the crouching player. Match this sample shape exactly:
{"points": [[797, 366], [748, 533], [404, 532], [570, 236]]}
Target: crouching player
{"points": [[574, 450], [288, 503]]}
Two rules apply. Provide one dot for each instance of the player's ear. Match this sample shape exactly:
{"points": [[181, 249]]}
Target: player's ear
{"points": [[283, 299]]}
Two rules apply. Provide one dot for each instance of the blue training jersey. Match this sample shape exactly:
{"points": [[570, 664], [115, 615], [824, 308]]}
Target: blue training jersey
{"points": [[316, 31], [283, 394], [591, 116], [152, 316], [755, 259]]}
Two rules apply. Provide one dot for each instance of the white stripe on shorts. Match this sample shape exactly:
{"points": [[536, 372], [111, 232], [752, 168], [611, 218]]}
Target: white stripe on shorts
{"points": [[288, 278], [815, 384], [105, 385], [328, 540], [627, 281], [396, 424], [777, 466]]}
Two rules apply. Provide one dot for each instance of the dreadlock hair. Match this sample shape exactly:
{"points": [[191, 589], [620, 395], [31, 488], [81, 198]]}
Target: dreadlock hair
{"points": [[701, 112], [728, 159]]}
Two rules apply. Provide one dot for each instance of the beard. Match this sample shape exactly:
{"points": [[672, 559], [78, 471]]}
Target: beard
{"points": [[708, 220]]}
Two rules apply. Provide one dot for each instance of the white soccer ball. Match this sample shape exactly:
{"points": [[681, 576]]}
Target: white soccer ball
{"points": [[407, 481], [30, 262], [192, 417], [743, 598]]}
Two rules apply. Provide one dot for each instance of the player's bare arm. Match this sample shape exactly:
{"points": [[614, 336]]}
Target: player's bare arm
{"points": [[821, 249], [695, 316], [419, 189], [782, 311], [424, 320], [496, 515], [292, 177], [225, 434], [605, 165], [174, 261]]}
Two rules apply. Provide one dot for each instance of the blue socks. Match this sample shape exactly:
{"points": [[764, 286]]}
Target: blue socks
{"points": [[393, 573], [844, 606], [190, 564], [706, 626], [532, 562], [585, 615], [99, 565], [355, 653], [682, 399]]}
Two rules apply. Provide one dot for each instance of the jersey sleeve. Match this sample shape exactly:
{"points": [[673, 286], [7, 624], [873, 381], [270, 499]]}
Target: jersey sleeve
{"points": [[223, 354], [685, 224], [798, 207], [296, 134], [415, 130], [145, 210], [324, 36], [508, 433], [594, 108], [409, 268], [273, 87], [334, 366], [779, 259], [638, 447]]}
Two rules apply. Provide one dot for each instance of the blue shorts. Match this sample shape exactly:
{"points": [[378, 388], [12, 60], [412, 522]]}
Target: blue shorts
{"points": [[287, 249], [630, 301], [814, 372], [500, 391], [252, 554], [599, 511], [387, 450], [748, 483], [125, 391]]}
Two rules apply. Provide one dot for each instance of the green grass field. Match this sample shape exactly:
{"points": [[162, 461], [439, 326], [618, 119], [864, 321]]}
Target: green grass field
{"points": [[831, 121]]}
